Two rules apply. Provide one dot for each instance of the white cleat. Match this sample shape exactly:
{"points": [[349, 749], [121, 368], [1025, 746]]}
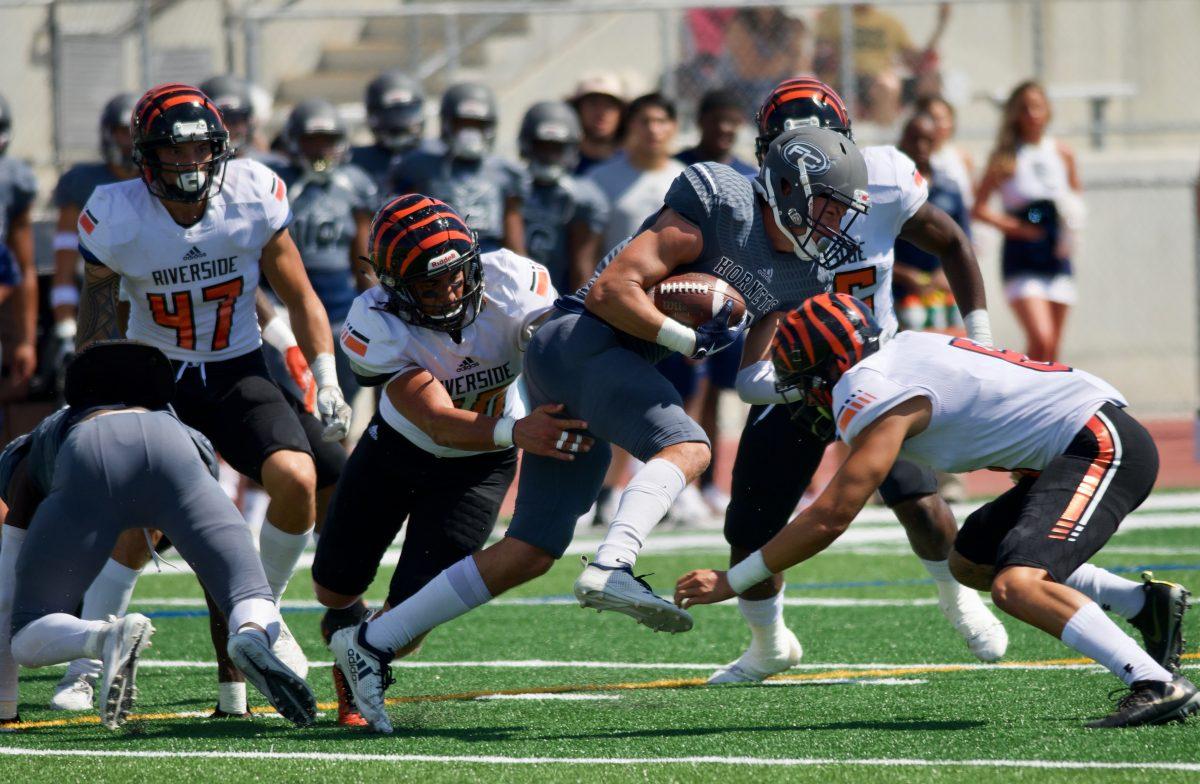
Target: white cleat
{"points": [[753, 668], [617, 589], [288, 651], [287, 692], [73, 692], [971, 618], [367, 673], [125, 639]]}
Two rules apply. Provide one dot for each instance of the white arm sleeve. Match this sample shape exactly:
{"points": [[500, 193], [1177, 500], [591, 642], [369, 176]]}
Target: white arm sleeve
{"points": [[756, 385]]}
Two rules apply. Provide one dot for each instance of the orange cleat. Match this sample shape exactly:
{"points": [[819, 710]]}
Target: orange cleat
{"points": [[348, 715]]}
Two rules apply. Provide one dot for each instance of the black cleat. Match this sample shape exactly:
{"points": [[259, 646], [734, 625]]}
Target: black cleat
{"points": [[1161, 620], [220, 714], [1153, 702]]}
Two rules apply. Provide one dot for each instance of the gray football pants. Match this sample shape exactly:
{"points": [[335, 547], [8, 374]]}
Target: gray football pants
{"points": [[131, 470]]}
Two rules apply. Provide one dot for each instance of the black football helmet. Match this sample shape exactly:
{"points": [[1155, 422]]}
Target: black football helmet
{"points": [[316, 117], [802, 165], [114, 117], [549, 140], [5, 125], [474, 104], [395, 111], [416, 238], [232, 97], [813, 346], [126, 372], [798, 102], [172, 114]]}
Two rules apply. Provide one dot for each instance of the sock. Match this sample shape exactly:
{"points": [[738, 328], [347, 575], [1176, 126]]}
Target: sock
{"points": [[947, 587], [1094, 634], [447, 596], [231, 697], [254, 508], [644, 502], [58, 638], [108, 595], [280, 551], [1124, 597], [11, 539], [259, 611], [765, 619]]}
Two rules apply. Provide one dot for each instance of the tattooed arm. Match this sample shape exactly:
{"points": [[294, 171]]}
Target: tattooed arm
{"points": [[101, 316]]}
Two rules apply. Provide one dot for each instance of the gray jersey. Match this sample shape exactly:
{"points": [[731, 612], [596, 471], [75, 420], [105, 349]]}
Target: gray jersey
{"points": [[477, 190], [377, 162], [550, 211], [77, 183], [18, 188], [724, 206]]}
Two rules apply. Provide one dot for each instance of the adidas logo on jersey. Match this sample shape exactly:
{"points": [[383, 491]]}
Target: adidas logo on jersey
{"points": [[194, 254], [767, 273], [467, 364]]}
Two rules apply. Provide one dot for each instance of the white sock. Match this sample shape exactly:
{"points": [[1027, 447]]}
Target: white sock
{"points": [[280, 551], [58, 638], [108, 595], [645, 500], [254, 508], [947, 587], [767, 630], [1094, 634], [452, 593], [11, 539], [1124, 597], [259, 612], [231, 697]]}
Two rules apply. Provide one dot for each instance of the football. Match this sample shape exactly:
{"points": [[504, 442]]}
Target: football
{"points": [[696, 297]]}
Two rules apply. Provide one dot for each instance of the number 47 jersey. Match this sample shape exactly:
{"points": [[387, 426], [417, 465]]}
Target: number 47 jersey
{"points": [[191, 289]]}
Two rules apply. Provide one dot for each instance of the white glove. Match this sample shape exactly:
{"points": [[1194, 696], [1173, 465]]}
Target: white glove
{"points": [[334, 413]]}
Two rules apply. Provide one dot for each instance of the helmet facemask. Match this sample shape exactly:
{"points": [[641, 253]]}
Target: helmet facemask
{"points": [[188, 183], [453, 317]]}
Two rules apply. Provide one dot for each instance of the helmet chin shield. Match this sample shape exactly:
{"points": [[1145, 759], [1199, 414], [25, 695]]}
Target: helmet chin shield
{"points": [[171, 115], [468, 144]]}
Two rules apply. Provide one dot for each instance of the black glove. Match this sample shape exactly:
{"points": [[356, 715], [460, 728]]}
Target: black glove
{"points": [[718, 333]]}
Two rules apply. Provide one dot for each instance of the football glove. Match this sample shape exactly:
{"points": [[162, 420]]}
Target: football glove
{"points": [[333, 412], [302, 374], [717, 333]]}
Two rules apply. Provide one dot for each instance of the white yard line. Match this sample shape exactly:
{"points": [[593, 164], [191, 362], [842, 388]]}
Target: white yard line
{"points": [[598, 761], [563, 601]]}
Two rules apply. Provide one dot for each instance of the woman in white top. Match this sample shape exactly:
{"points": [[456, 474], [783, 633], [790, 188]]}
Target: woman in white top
{"points": [[949, 161], [1038, 184]]}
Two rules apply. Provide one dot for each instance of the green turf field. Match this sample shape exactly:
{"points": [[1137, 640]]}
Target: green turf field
{"points": [[533, 688]]}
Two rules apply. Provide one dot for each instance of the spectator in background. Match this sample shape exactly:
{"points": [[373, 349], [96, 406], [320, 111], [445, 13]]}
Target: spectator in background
{"points": [[565, 215], [486, 190], [1039, 189], [719, 118], [234, 98], [882, 45], [704, 44], [74, 188], [395, 105], [18, 188], [599, 100], [948, 159], [919, 286], [763, 46]]}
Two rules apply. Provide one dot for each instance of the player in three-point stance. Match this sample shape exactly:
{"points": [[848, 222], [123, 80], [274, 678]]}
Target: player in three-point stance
{"points": [[957, 405]]}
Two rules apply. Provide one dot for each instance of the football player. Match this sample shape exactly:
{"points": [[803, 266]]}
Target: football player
{"points": [[395, 106], [595, 355], [780, 449], [18, 189], [485, 189], [958, 405], [186, 242], [234, 98], [564, 215], [115, 459], [448, 353]]}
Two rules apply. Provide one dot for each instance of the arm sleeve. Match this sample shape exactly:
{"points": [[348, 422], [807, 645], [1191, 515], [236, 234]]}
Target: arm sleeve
{"points": [[864, 395]]}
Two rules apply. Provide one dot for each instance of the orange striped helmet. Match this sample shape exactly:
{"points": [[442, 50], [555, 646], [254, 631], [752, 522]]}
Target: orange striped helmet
{"points": [[173, 114], [819, 341], [799, 102], [416, 239]]}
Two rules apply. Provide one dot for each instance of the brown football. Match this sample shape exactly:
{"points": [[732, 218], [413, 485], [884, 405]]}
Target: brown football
{"points": [[696, 297]]}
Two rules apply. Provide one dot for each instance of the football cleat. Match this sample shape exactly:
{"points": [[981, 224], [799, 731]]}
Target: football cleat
{"points": [[348, 714], [1153, 702], [367, 673], [284, 689], [755, 668], [616, 588], [125, 639], [971, 618], [1161, 620], [222, 714], [73, 692], [288, 651]]}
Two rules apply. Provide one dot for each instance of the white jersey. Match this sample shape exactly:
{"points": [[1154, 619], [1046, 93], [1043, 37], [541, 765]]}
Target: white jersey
{"points": [[478, 373], [190, 290], [897, 191], [991, 408]]}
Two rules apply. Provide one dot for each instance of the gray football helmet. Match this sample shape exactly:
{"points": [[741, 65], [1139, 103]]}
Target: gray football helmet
{"points": [[549, 140], [395, 111], [316, 117], [476, 104]]}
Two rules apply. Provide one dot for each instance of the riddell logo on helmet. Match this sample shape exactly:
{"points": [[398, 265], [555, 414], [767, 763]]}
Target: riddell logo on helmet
{"points": [[813, 159], [438, 262]]}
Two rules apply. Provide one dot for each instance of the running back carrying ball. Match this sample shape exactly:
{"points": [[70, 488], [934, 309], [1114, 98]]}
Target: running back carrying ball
{"points": [[694, 298]]}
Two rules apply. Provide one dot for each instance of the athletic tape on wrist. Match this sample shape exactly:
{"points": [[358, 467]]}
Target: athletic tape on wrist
{"points": [[324, 369], [277, 334], [979, 327], [64, 294], [676, 337], [502, 435], [748, 573]]}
